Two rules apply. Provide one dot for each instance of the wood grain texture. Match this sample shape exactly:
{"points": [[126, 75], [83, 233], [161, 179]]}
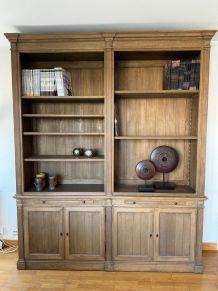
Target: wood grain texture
{"points": [[12, 279], [43, 234], [85, 233], [175, 234], [125, 68], [132, 234]]}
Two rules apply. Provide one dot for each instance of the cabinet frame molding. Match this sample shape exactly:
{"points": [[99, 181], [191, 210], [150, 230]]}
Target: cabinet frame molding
{"points": [[104, 54]]}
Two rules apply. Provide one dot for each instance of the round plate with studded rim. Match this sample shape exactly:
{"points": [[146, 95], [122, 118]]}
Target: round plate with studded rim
{"points": [[165, 159], [145, 170]]}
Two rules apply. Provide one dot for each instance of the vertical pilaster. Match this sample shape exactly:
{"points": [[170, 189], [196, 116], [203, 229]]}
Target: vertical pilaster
{"points": [[15, 63], [109, 114], [202, 120], [109, 140]]}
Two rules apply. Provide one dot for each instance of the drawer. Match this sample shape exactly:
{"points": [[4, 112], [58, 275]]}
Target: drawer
{"points": [[154, 203]]}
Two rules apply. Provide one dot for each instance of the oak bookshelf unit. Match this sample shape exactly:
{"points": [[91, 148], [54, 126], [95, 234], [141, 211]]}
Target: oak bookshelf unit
{"points": [[96, 219]]}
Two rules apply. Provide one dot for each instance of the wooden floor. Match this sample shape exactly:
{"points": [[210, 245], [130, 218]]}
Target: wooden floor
{"points": [[11, 279]]}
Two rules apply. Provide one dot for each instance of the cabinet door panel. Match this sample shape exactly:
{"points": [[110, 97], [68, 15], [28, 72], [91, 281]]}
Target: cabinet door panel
{"points": [[132, 234], [43, 235], [85, 229], [175, 231]]}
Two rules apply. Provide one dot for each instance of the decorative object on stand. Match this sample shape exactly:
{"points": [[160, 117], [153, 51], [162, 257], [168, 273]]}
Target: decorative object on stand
{"points": [[165, 160], [89, 153], [145, 170], [78, 152], [52, 182]]}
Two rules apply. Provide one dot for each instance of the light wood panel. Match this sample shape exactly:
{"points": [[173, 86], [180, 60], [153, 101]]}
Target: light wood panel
{"points": [[64, 108], [85, 233], [64, 145], [73, 173], [132, 234], [139, 75], [155, 117], [175, 234], [43, 234]]}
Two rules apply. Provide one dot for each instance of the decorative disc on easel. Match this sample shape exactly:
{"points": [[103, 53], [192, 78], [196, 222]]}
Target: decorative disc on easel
{"points": [[165, 159], [145, 170]]}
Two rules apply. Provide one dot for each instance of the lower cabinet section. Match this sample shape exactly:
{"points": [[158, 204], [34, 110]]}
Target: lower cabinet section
{"points": [[154, 234], [175, 234], [74, 233], [85, 233], [132, 234], [43, 233], [125, 237]]}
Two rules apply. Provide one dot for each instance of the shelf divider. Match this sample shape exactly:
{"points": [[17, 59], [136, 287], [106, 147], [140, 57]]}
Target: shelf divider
{"points": [[155, 94], [63, 158], [64, 115], [155, 137], [65, 133]]}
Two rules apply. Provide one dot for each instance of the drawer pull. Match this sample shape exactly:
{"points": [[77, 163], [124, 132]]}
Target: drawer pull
{"points": [[61, 234], [175, 203], [157, 235], [67, 234], [150, 234]]}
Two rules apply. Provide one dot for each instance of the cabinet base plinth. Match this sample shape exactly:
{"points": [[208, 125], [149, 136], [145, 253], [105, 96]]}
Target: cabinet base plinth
{"points": [[110, 266]]}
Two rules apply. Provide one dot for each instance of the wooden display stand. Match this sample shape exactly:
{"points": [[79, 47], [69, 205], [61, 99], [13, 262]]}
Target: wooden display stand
{"points": [[96, 219]]}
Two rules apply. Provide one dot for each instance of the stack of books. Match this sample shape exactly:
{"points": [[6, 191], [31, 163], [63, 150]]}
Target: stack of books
{"points": [[46, 82], [182, 74]]}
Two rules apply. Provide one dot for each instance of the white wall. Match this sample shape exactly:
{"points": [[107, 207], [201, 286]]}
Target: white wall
{"points": [[211, 187], [7, 163]]}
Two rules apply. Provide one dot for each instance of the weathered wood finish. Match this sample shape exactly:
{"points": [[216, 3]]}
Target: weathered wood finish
{"points": [[175, 234], [132, 234], [96, 219], [85, 233], [43, 233]]}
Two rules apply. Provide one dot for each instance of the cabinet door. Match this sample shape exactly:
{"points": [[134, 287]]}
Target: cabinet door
{"points": [[132, 234], [85, 233], [175, 234], [43, 233]]}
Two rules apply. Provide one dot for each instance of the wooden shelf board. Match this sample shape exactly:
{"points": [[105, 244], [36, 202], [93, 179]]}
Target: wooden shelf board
{"points": [[180, 190], [63, 116], [155, 94], [156, 137], [63, 158], [64, 98], [64, 133], [95, 189]]}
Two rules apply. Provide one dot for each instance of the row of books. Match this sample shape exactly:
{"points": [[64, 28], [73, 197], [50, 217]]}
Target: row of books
{"points": [[182, 74], [46, 82]]}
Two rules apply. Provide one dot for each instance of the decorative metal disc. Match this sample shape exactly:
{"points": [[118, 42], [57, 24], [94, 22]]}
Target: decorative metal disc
{"points": [[145, 170], [165, 159]]}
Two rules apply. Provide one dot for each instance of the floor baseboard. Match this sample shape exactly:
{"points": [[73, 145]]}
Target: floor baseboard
{"points": [[209, 246]]}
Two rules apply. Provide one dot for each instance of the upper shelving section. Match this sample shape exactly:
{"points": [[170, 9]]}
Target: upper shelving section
{"points": [[85, 69], [157, 74], [52, 126]]}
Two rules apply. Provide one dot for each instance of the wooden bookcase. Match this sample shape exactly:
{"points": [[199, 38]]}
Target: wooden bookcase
{"points": [[96, 219]]}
